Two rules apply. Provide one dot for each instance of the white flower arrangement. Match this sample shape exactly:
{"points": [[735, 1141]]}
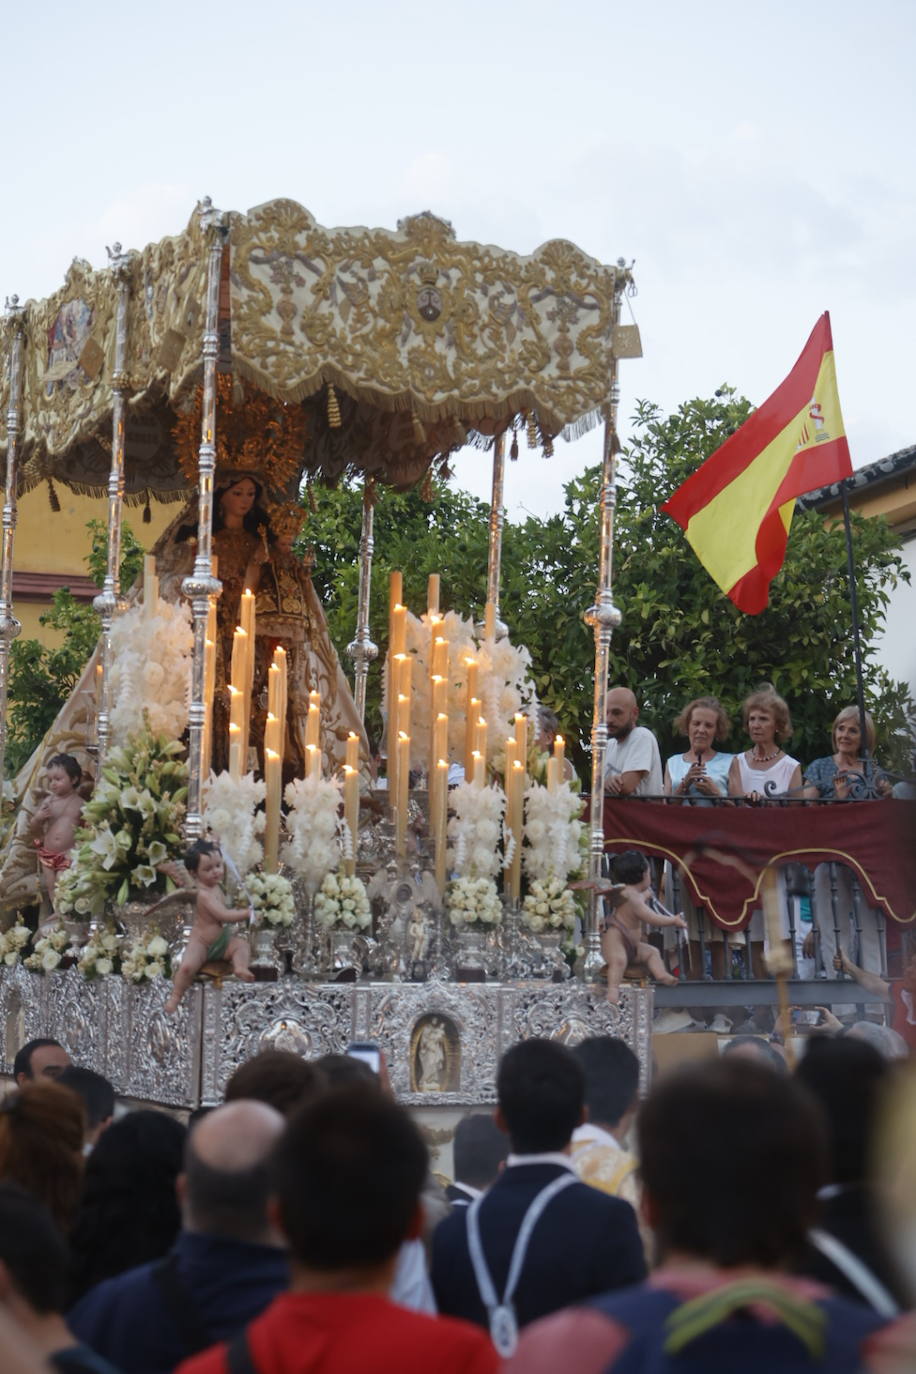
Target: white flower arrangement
{"points": [[99, 956], [132, 825], [553, 832], [231, 812], [549, 904], [505, 688], [146, 958], [474, 901], [313, 826], [475, 829], [13, 942], [271, 898], [48, 950], [151, 670], [459, 633], [342, 903]]}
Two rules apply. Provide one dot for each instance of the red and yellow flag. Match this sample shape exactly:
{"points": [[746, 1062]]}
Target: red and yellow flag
{"points": [[737, 508]]}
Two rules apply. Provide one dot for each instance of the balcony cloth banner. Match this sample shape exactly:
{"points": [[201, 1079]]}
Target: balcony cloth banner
{"points": [[722, 851]]}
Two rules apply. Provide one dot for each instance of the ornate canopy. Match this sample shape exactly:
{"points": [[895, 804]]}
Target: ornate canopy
{"points": [[398, 346]]}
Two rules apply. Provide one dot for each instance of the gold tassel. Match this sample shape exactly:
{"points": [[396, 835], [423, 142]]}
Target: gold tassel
{"points": [[147, 513], [532, 431], [548, 446], [334, 420], [419, 431], [513, 447], [53, 501]]}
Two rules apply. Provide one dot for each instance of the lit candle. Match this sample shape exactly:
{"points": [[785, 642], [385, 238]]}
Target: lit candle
{"points": [[480, 738], [432, 594], [239, 677], [313, 727], [353, 751], [150, 586], [403, 793], [439, 811], [521, 736], [209, 688], [559, 751], [236, 729], [440, 658], [314, 762], [246, 621], [235, 751], [273, 771], [478, 768], [399, 630], [470, 735], [351, 813]]}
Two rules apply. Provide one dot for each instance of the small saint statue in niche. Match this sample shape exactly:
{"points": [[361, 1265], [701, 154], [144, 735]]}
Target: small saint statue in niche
{"points": [[435, 1058]]}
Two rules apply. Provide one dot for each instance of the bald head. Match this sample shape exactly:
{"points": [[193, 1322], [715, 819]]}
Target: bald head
{"points": [[225, 1185], [620, 712]]}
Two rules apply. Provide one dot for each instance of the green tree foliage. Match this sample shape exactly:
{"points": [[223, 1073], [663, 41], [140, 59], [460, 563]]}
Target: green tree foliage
{"points": [[42, 678], [680, 637]]}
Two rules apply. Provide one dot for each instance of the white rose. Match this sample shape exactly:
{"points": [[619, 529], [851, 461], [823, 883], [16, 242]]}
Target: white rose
{"points": [[103, 966], [49, 960], [11, 958], [157, 947]]}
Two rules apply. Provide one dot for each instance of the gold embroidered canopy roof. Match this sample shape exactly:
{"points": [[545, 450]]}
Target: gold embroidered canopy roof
{"points": [[396, 345]]}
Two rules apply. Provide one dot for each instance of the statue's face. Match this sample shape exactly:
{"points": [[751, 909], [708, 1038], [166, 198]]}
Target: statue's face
{"points": [[237, 500]]}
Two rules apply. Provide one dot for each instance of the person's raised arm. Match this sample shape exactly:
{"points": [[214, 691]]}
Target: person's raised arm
{"points": [[871, 982]]}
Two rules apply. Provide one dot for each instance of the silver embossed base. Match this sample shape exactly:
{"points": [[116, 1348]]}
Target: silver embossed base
{"points": [[442, 1040]]}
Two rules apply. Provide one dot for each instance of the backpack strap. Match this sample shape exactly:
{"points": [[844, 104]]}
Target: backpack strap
{"points": [[238, 1355]]}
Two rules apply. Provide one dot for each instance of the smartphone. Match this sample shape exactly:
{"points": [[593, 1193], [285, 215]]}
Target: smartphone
{"points": [[367, 1052], [805, 1016]]}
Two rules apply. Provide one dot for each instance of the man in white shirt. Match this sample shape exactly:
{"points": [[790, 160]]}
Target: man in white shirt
{"points": [[632, 763]]}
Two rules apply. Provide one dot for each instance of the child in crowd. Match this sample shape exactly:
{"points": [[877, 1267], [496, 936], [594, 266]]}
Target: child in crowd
{"points": [[209, 937], [622, 940], [54, 823]]}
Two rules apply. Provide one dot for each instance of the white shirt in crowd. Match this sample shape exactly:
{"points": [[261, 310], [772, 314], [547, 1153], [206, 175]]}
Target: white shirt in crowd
{"points": [[637, 753]]}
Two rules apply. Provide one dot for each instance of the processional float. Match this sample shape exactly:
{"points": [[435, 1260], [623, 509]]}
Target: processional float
{"points": [[400, 348]]}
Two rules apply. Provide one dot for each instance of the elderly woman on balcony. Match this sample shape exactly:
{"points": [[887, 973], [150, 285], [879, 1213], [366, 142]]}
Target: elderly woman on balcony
{"points": [[695, 778], [845, 775]]}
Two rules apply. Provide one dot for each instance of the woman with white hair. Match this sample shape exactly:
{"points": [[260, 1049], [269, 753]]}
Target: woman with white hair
{"points": [[845, 775]]}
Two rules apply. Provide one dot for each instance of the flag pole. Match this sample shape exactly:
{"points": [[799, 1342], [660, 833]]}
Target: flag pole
{"points": [[856, 633]]}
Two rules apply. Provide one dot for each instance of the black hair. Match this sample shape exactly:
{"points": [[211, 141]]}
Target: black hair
{"points": [[540, 1087], [23, 1061], [96, 1093], [765, 1051], [129, 1213], [347, 1175], [193, 855], [628, 867], [33, 1250], [848, 1078], [611, 1077], [69, 764], [731, 1157], [343, 1069], [479, 1148], [278, 1077]]}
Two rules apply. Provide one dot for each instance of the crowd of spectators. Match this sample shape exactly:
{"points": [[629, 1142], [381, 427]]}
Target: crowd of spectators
{"points": [[734, 1218]]}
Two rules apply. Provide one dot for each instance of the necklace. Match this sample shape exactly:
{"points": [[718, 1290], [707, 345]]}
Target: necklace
{"points": [[765, 758]]}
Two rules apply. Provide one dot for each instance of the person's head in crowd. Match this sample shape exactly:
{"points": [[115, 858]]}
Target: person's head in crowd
{"points": [[33, 1270], [225, 1184], [767, 700], [851, 713], [731, 1156], [129, 1212], [548, 727], [611, 1081], [97, 1096], [347, 1178], [703, 721], [278, 1077], [620, 712], [540, 1090], [629, 867], [42, 1058], [341, 1070], [41, 1145], [889, 1043], [479, 1150], [757, 1049], [848, 1078]]}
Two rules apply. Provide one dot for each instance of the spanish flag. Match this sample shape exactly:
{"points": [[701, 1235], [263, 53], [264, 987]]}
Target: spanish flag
{"points": [[737, 508]]}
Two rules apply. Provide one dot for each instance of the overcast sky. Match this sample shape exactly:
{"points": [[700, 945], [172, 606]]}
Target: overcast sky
{"points": [[756, 161]]}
